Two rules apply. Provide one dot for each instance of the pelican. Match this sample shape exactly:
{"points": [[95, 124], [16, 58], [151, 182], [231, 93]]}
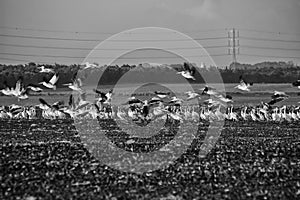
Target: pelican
{"points": [[46, 70], [277, 97], [192, 95], [296, 84], [279, 94], [7, 91], [76, 85], [51, 83], [188, 72], [34, 88], [20, 92], [187, 75], [207, 90], [162, 94], [244, 86], [226, 99], [104, 97], [89, 66]]}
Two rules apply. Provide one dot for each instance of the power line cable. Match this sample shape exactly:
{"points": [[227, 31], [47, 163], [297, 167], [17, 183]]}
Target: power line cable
{"points": [[270, 32], [268, 39], [101, 33], [273, 48], [268, 56], [97, 40], [97, 49], [81, 57]]}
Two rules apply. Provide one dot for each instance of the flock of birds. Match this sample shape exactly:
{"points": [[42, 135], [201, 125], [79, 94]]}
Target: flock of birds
{"points": [[161, 106]]}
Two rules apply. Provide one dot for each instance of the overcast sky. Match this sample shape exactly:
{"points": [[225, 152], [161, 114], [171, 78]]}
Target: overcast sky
{"points": [[256, 20]]}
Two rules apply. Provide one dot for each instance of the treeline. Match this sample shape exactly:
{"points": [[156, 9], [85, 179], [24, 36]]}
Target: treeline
{"points": [[267, 72]]}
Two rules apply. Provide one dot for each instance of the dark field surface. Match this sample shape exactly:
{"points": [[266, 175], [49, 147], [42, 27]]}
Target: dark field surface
{"points": [[44, 159]]}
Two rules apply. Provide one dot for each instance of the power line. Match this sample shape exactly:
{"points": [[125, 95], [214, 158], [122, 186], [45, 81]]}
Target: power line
{"points": [[102, 49], [270, 32], [97, 40], [80, 57], [273, 48], [268, 56], [101, 33], [268, 39]]}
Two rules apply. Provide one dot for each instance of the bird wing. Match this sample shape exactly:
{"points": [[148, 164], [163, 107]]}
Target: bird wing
{"points": [[71, 101], [54, 79], [79, 82], [186, 66], [57, 104], [18, 86], [99, 92], [42, 101], [134, 101], [276, 100], [242, 81], [192, 70]]}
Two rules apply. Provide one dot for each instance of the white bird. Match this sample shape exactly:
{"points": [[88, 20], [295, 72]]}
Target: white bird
{"points": [[7, 91], [277, 97], [186, 75], [89, 66], [244, 86], [20, 92], [188, 72], [209, 91], [104, 97], [279, 94], [192, 95], [34, 88], [226, 99], [46, 70], [51, 83], [162, 94], [76, 85]]}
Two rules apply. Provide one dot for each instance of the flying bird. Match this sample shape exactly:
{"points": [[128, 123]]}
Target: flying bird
{"points": [[226, 99], [20, 91], [34, 88], [209, 91], [189, 72], [296, 84], [104, 97], [162, 94], [76, 85], [244, 86], [8, 91], [278, 97], [192, 95], [279, 94], [52, 83], [89, 66], [45, 105], [46, 70]]}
